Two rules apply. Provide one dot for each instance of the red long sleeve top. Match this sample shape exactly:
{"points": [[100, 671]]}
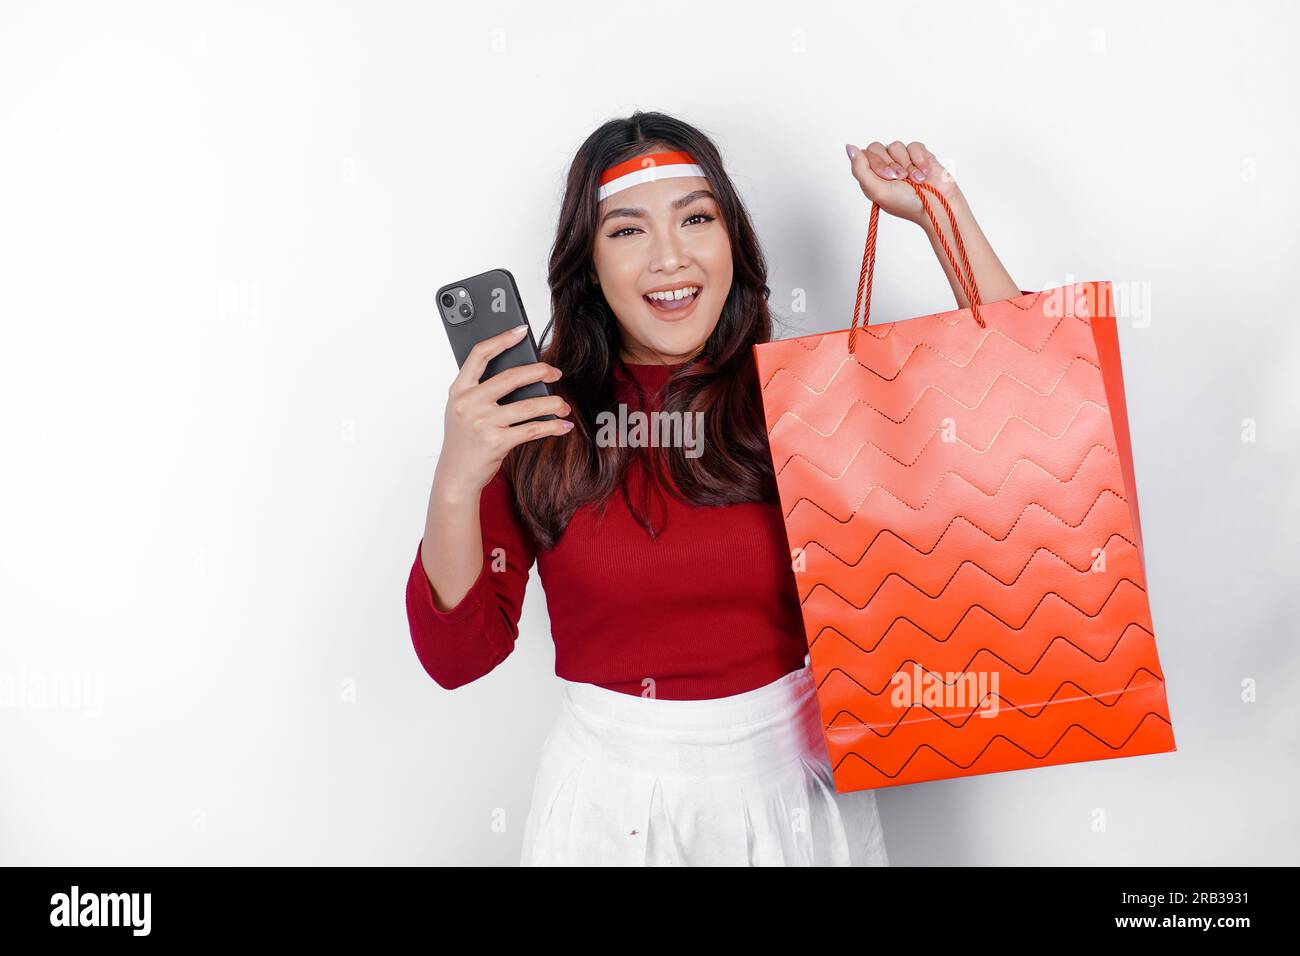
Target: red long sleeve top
{"points": [[709, 608]]}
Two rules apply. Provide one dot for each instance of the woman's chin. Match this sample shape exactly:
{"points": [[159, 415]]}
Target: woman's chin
{"points": [[672, 349]]}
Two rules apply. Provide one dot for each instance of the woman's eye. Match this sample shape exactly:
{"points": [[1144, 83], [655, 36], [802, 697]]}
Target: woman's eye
{"points": [[699, 215]]}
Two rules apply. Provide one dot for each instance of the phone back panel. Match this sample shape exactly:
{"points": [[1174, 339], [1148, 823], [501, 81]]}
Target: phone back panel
{"points": [[497, 306]]}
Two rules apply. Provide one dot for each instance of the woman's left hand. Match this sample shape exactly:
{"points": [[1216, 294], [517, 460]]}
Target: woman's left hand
{"points": [[882, 172]]}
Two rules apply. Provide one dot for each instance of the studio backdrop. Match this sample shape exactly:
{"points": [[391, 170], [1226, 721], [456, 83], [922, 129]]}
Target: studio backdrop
{"points": [[223, 381]]}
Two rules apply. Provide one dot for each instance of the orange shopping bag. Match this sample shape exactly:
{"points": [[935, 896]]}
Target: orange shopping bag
{"points": [[960, 504]]}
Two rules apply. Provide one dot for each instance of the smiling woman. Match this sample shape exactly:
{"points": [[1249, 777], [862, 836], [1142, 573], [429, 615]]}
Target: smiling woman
{"points": [[651, 215], [690, 731], [661, 240], [664, 209]]}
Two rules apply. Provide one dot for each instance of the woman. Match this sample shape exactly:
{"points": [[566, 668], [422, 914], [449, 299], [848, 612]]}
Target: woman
{"points": [[689, 731]]}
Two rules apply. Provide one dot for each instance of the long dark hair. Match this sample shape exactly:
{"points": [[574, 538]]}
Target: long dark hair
{"points": [[554, 476]]}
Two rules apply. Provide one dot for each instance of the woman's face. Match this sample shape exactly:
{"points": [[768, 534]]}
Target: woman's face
{"points": [[667, 234]]}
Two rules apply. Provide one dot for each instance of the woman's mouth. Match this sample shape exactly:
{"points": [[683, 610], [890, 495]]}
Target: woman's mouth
{"points": [[675, 305]]}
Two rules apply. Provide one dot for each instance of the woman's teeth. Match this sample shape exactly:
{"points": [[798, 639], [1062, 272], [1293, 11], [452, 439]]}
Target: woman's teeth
{"points": [[677, 299]]}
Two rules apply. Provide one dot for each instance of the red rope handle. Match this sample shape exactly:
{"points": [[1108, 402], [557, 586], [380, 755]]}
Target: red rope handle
{"points": [[966, 280]]}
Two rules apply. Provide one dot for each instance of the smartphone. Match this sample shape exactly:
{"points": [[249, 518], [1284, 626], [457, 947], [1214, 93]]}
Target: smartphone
{"points": [[480, 307]]}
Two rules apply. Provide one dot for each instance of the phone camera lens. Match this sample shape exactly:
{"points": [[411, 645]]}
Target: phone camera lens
{"points": [[465, 310], [448, 300]]}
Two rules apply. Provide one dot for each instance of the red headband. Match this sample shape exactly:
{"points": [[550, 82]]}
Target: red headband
{"points": [[644, 169]]}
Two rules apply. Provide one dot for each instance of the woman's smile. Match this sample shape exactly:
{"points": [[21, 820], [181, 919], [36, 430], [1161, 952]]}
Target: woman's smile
{"points": [[674, 303]]}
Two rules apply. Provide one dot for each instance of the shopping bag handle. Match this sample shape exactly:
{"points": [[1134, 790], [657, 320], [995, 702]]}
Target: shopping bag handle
{"points": [[967, 279]]}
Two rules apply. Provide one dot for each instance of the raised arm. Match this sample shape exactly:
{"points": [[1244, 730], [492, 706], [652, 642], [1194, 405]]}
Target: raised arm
{"points": [[465, 589], [881, 170]]}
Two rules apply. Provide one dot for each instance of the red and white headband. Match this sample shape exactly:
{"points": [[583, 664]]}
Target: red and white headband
{"points": [[645, 169]]}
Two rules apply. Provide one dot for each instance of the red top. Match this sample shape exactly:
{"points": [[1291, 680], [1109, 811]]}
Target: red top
{"points": [[707, 609]]}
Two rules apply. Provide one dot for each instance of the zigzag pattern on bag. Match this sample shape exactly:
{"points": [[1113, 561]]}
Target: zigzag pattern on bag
{"points": [[955, 500]]}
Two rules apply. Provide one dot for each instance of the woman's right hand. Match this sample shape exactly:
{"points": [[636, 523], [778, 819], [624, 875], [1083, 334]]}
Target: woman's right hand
{"points": [[477, 432]]}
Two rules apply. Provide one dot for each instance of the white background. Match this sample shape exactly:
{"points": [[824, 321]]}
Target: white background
{"points": [[222, 383]]}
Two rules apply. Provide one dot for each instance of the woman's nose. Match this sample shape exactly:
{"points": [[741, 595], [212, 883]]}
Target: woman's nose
{"points": [[667, 250]]}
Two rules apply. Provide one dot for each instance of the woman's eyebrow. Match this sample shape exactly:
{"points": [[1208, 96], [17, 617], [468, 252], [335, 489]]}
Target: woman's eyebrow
{"points": [[639, 213]]}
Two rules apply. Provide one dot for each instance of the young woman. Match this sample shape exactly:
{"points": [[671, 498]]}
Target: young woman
{"points": [[689, 731]]}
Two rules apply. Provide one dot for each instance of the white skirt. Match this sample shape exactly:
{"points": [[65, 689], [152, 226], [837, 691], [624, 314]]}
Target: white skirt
{"points": [[743, 780]]}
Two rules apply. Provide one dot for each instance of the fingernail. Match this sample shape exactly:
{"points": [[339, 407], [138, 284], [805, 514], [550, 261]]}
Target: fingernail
{"points": [[890, 174], [920, 176], [567, 425], [851, 150], [519, 330]]}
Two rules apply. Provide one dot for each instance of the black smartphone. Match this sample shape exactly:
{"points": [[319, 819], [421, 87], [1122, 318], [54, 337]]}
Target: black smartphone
{"points": [[480, 307]]}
